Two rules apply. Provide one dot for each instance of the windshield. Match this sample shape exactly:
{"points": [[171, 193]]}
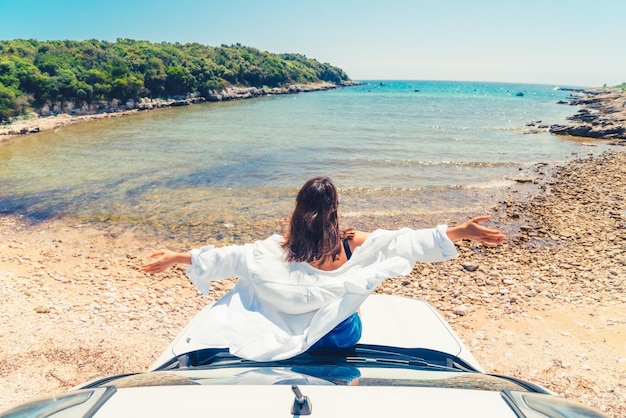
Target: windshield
{"points": [[363, 365], [360, 354]]}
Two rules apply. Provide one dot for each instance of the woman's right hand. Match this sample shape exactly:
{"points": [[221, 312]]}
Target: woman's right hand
{"points": [[164, 260]]}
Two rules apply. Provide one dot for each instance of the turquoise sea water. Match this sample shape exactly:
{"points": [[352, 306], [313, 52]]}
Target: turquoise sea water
{"points": [[398, 150]]}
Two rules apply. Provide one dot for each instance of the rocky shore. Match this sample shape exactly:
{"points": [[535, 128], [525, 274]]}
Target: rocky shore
{"points": [[602, 115], [58, 115], [548, 306]]}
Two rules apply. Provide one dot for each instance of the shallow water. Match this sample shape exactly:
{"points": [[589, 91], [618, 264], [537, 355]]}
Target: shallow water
{"points": [[399, 151]]}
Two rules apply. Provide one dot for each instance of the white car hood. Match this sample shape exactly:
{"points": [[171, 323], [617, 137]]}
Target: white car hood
{"points": [[326, 401]]}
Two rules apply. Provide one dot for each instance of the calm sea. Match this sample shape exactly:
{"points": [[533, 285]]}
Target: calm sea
{"points": [[402, 153]]}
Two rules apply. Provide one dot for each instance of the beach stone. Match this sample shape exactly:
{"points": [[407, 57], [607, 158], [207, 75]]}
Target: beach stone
{"points": [[461, 310], [471, 267]]}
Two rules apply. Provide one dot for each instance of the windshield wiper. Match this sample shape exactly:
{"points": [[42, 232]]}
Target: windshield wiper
{"points": [[416, 357], [382, 357], [197, 358]]}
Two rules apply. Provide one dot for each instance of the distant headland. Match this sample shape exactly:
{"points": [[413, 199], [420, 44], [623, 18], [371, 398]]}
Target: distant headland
{"points": [[88, 78]]}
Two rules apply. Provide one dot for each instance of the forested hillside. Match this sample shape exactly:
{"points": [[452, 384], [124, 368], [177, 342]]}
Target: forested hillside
{"points": [[34, 74]]}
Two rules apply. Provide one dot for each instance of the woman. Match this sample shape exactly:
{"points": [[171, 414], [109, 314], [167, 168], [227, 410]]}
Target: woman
{"points": [[303, 291]]}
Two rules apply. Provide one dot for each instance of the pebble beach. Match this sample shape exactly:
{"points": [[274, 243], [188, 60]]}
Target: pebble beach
{"points": [[548, 306]]}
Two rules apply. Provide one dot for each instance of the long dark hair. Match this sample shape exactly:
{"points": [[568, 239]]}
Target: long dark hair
{"points": [[314, 227]]}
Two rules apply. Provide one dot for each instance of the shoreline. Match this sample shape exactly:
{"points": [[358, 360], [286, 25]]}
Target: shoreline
{"points": [[548, 306], [28, 126], [602, 113]]}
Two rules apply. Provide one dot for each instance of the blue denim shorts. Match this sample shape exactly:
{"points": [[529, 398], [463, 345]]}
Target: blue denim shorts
{"points": [[346, 334]]}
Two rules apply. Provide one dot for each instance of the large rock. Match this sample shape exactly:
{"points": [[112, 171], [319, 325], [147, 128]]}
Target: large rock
{"points": [[602, 115]]}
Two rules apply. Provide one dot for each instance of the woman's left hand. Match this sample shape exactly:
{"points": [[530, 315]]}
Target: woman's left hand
{"points": [[472, 230]]}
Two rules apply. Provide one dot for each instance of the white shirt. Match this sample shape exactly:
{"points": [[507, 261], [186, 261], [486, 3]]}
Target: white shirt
{"points": [[279, 309]]}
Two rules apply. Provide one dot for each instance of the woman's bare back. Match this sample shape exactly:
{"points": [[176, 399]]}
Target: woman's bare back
{"points": [[355, 239]]}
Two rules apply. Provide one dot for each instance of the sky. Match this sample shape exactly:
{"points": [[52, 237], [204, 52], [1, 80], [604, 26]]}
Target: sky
{"points": [[559, 42]]}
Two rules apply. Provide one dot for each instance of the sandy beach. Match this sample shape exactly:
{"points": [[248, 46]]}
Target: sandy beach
{"points": [[549, 306]]}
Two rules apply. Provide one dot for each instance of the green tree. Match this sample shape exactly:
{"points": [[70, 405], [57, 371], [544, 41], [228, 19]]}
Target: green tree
{"points": [[179, 81], [155, 77], [8, 75], [8, 104]]}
